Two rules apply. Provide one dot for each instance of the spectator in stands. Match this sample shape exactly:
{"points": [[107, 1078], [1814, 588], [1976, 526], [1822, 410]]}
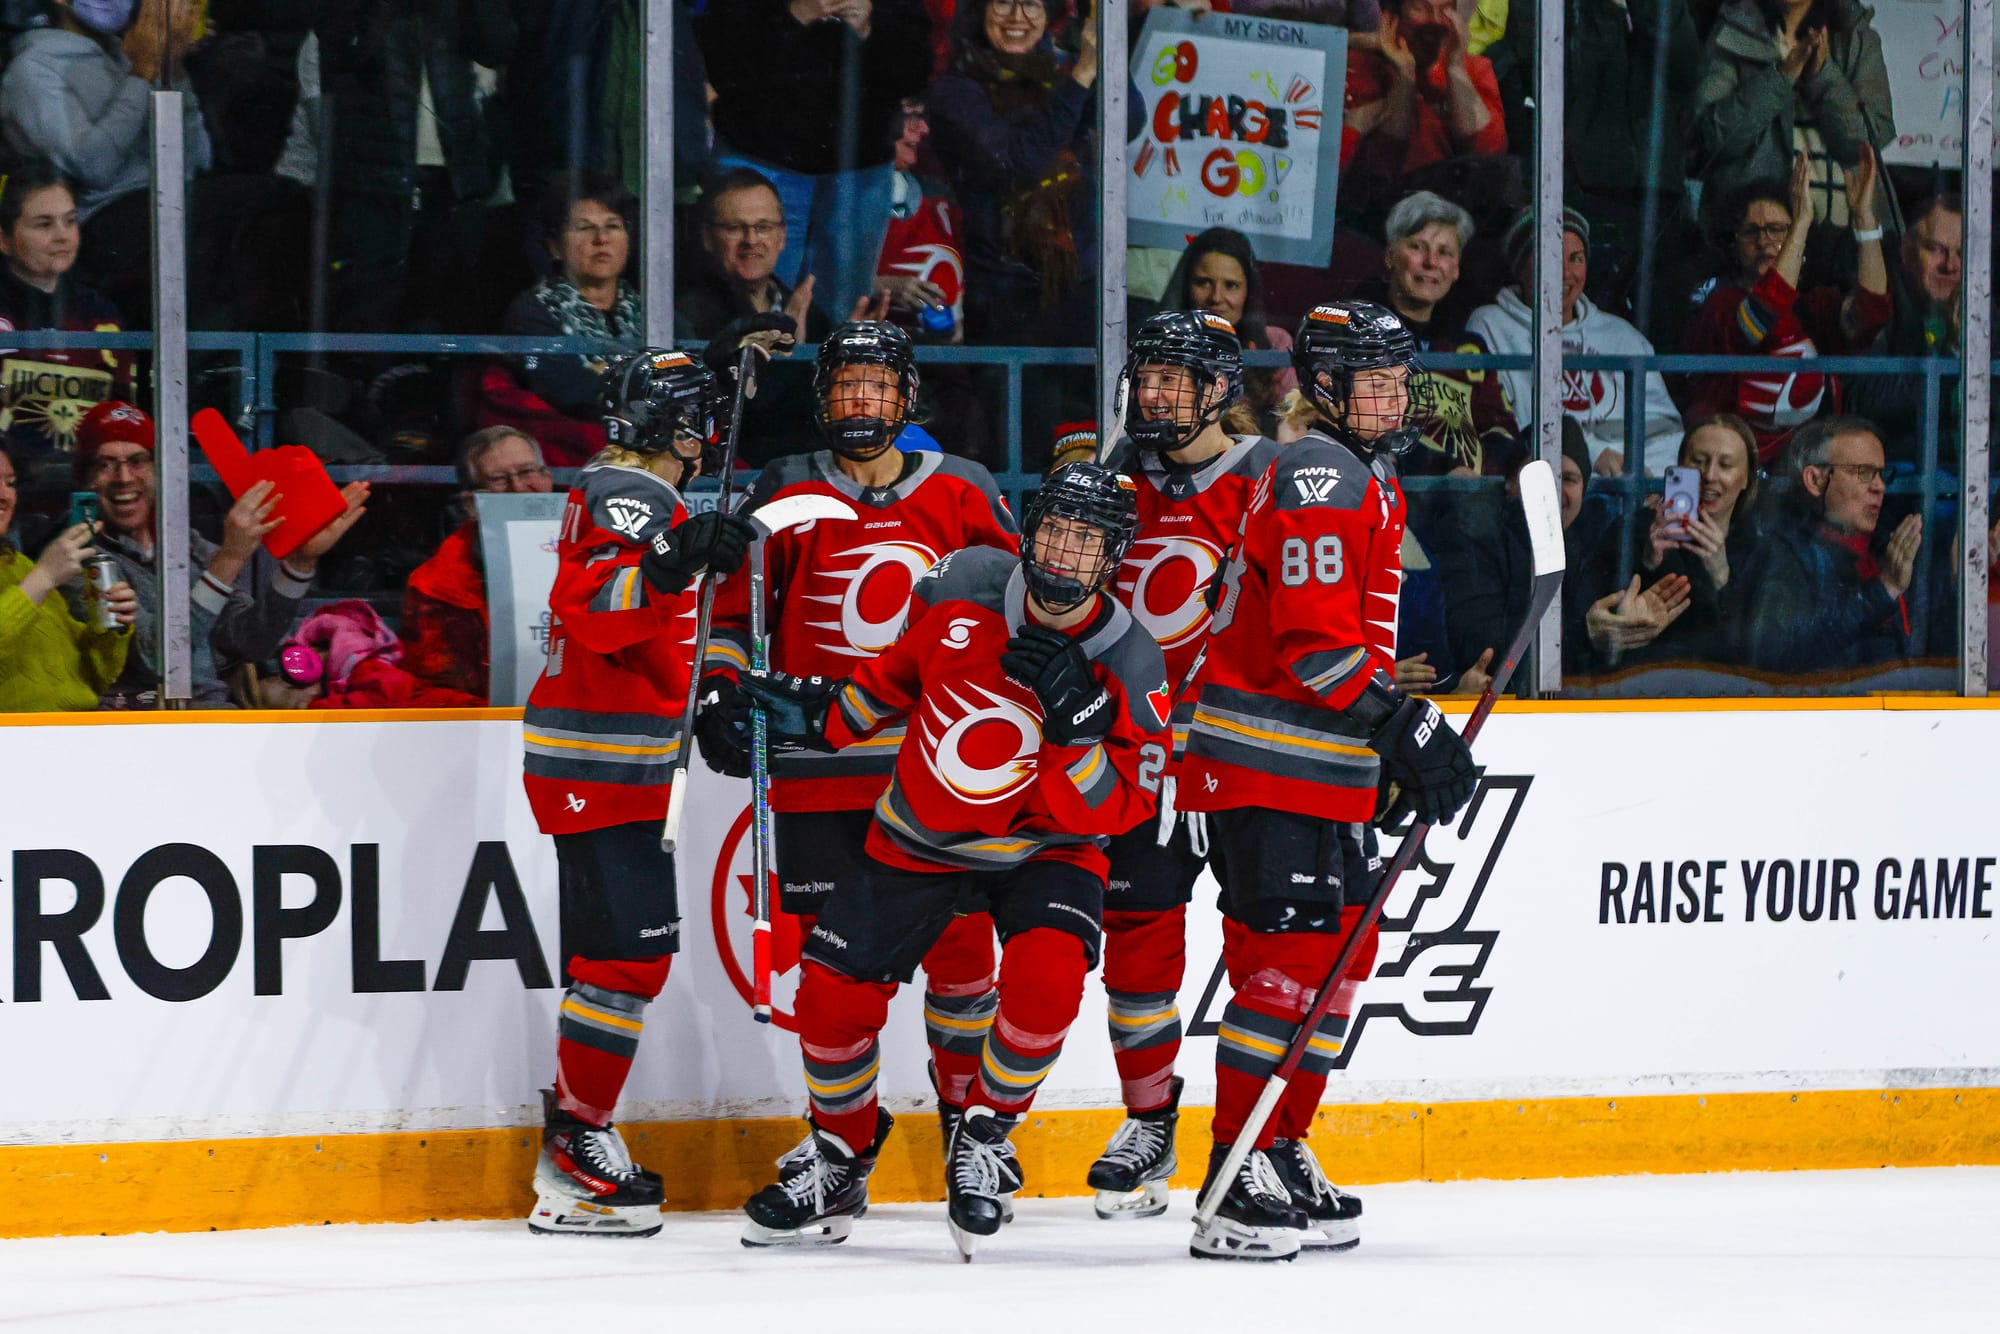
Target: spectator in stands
{"points": [[243, 600], [1416, 96], [1012, 122], [1708, 549], [1596, 399], [1218, 273], [1758, 308], [49, 658], [1467, 429], [48, 390], [777, 67], [555, 397], [68, 95], [1780, 77], [446, 641], [1925, 323], [1818, 595], [920, 268], [744, 235]]}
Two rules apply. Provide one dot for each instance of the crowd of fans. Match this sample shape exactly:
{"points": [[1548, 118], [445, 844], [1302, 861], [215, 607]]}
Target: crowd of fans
{"points": [[474, 166]]}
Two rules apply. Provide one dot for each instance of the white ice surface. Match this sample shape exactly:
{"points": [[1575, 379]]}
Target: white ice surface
{"points": [[1808, 1251]]}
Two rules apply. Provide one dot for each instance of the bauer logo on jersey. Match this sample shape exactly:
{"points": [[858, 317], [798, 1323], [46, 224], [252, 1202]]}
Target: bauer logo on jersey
{"points": [[1164, 580], [861, 597], [628, 516], [981, 745]]}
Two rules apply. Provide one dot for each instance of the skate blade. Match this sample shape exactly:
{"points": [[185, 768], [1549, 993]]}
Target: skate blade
{"points": [[825, 1232], [967, 1242], [1225, 1240], [1006, 1209], [1339, 1234], [562, 1216], [1148, 1201]]}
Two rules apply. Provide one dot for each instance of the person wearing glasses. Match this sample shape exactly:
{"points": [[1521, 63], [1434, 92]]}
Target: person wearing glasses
{"points": [[1821, 592], [1757, 309], [445, 631], [554, 398], [243, 601]]}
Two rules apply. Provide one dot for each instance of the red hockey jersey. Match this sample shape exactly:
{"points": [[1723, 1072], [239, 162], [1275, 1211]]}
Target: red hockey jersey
{"points": [[976, 785], [1308, 615], [1189, 519], [839, 592], [603, 723]]}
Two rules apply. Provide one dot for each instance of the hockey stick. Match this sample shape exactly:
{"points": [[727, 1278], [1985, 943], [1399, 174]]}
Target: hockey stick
{"points": [[761, 858], [670, 831], [1544, 514]]}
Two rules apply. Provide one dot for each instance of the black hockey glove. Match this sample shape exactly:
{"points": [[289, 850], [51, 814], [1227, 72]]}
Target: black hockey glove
{"points": [[794, 707], [1427, 769], [714, 542], [723, 726], [1076, 710]]}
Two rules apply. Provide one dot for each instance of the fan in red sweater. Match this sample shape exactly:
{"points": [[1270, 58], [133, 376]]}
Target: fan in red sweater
{"points": [[1762, 311], [1415, 96]]}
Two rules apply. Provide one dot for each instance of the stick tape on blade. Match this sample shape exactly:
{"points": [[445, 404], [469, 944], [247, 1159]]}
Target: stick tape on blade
{"points": [[1543, 507], [805, 507]]}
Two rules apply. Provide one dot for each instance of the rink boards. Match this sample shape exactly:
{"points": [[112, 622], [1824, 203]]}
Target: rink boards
{"points": [[277, 970]]}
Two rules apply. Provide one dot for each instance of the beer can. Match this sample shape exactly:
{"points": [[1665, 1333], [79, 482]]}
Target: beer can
{"points": [[103, 574]]}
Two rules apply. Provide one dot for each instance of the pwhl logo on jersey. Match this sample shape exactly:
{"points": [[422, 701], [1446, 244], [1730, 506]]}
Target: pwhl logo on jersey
{"points": [[870, 595], [1427, 975], [979, 744], [1164, 581]]}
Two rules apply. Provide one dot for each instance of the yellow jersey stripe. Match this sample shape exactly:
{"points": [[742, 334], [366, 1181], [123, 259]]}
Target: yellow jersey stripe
{"points": [[566, 743], [1331, 747], [582, 1011]]}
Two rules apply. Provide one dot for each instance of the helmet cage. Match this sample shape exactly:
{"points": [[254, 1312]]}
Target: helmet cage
{"points": [[1087, 500], [864, 343]]}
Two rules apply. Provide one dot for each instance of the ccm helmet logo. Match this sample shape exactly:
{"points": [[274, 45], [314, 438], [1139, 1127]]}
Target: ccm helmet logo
{"points": [[959, 633], [1103, 698]]}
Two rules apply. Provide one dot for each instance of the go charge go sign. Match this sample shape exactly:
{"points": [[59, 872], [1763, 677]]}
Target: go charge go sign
{"points": [[1235, 117]]}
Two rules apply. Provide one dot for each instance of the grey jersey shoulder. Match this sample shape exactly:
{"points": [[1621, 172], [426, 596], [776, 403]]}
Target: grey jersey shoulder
{"points": [[1318, 472], [1252, 455], [1130, 653], [631, 502], [968, 471], [979, 575]]}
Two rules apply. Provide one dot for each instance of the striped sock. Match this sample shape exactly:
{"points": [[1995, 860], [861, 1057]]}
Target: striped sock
{"points": [[957, 1025], [1041, 987], [839, 1021], [597, 1035], [1145, 1039]]}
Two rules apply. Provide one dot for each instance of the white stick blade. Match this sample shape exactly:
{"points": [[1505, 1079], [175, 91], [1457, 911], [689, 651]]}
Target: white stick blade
{"points": [[1543, 507], [797, 508]]}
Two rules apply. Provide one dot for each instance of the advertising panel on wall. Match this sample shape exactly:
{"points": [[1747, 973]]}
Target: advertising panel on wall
{"points": [[317, 928]]}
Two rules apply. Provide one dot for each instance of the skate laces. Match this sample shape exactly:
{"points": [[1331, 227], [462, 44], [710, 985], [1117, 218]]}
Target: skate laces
{"points": [[810, 1177], [975, 1164], [1260, 1177], [799, 1154], [604, 1150], [1307, 1165], [1135, 1143]]}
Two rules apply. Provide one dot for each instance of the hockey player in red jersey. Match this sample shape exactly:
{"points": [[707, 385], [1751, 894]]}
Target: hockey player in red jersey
{"points": [[1194, 481], [602, 727], [1030, 699], [1297, 731], [839, 592]]}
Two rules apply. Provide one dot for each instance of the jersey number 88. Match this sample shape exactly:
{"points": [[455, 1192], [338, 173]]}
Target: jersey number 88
{"points": [[1327, 563]]}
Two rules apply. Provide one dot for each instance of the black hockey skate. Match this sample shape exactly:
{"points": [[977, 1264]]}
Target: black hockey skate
{"points": [[1131, 1178], [973, 1176], [1011, 1178], [1333, 1215], [1257, 1219], [586, 1184], [822, 1187]]}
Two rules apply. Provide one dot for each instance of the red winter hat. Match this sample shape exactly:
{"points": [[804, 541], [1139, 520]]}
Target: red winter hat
{"points": [[108, 421]]}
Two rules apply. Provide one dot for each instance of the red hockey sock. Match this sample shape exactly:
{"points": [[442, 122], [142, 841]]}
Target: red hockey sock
{"points": [[959, 1002], [1145, 956], [597, 1032], [1041, 988], [839, 1021]]}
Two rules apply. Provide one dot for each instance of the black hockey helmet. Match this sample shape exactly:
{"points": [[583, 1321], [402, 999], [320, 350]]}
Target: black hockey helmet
{"points": [[1206, 345], [1338, 340], [1096, 498], [864, 343], [655, 396]]}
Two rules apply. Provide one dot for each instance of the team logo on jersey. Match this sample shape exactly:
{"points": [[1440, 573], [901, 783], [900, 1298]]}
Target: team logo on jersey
{"points": [[628, 516], [870, 597], [1435, 944], [1161, 701], [1165, 582], [959, 633], [982, 748]]}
